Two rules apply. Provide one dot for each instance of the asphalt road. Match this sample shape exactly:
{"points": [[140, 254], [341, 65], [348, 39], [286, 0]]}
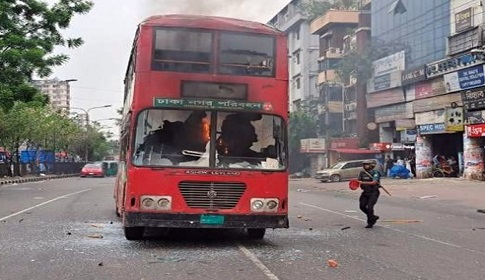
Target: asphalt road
{"points": [[67, 229]]}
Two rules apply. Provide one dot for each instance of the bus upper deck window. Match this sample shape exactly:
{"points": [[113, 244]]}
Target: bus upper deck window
{"points": [[182, 50], [244, 54]]}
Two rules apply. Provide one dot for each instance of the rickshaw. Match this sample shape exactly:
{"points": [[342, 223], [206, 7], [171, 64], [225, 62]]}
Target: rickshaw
{"points": [[111, 167]]}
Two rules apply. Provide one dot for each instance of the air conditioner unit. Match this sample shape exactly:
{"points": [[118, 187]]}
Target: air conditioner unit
{"points": [[352, 106], [348, 107]]}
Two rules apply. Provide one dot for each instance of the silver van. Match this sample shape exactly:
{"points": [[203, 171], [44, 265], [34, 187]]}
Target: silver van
{"points": [[344, 170]]}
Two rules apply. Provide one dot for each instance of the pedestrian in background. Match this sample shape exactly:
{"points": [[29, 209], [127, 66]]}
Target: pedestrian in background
{"points": [[389, 164]]}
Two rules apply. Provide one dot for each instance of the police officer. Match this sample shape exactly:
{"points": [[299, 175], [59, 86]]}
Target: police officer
{"points": [[369, 180]]}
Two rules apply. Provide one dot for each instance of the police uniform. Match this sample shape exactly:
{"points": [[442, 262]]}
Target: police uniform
{"points": [[370, 193]]}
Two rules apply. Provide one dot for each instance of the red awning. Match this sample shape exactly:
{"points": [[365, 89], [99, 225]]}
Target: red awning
{"points": [[355, 151]]}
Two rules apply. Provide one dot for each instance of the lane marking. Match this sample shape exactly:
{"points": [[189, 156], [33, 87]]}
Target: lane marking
{"points": [[257, 262], [397, 230], [42, 204]]}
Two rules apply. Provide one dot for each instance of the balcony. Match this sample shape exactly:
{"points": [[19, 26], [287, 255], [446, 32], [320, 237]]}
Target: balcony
{"points": [[333, 53], [334, 17], [327, 76]]}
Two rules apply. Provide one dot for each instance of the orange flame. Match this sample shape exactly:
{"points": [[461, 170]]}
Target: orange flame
{"points": [[206, 129]]}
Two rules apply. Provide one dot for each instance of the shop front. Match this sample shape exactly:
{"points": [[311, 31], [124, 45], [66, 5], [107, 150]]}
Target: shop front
{"points": [[440, 133]]}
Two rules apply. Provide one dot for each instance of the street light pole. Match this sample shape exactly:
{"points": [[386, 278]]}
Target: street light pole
{"points": [[86, 112]]}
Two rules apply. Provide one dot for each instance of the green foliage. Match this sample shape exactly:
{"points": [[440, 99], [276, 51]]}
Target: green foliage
{"points": [[29, 32], [358, 64], [314, 9], [301, 126]]}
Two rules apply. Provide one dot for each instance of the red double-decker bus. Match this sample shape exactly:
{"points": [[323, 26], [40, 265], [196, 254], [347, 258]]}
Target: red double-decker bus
{"points": [[204, 129]]}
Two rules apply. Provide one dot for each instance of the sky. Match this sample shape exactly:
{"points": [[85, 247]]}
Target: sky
{"points": [[108, 29]]}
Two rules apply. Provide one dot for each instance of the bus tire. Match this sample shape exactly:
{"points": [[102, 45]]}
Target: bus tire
{"points": [[134, 233], [256, 233]]}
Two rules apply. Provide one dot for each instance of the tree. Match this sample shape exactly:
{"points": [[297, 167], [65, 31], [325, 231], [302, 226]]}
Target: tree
{"points": [[29, 31], [358, 64], [301, 126], [314, 9]]}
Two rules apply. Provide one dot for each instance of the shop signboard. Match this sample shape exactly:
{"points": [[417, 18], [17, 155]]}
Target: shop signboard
{"points": [[436, 116], [394, 112], [463, 20], [312, 145], [436, 102], [468, 78], [448, 65], [384, 81], [388, 64], [432, 128], [475, 130], [474, 117], [414, 75], [387, 97], [454, 119], [473, 99]]}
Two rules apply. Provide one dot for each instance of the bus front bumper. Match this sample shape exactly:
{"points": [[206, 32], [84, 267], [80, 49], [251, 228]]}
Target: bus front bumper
{"points": [[138, 219]]}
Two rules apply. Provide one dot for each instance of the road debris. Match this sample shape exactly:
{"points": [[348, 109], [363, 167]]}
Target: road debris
{"points": [[427, 196], [302, 190], [344, 228], [99, 236], [332, 263], [97, 225], [100, 264], [478, 228], [401, 221], [350, 211], [481, 211]]}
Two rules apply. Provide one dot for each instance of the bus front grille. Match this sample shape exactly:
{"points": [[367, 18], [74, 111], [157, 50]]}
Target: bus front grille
{"points": [[211, 195]]}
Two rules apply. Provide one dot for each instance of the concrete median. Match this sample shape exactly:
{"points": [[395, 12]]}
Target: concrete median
{"points": [[19, 180]]}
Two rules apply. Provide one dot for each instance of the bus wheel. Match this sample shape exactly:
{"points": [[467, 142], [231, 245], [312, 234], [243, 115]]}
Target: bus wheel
{"points": [[117, 211], [256, 233], [134, 233]]}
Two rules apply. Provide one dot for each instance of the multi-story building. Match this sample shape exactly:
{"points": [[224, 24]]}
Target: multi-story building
{"points": [[302, 52], [58, 92], [332, 27], [416, 91]]}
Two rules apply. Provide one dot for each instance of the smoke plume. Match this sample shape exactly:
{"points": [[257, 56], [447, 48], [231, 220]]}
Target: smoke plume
{"points": [[256, 10]]}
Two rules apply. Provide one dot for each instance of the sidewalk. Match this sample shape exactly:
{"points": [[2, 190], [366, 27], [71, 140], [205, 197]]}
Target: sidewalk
{"points": [[451, 190], [18, 180]]}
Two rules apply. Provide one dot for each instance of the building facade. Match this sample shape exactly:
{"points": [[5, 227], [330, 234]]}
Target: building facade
{"points": [[428, 94], [302, 52], [58, 91]]}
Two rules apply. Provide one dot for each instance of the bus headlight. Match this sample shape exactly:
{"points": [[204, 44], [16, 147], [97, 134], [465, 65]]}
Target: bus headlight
{"points": [[164, 203], [257, 205], [272, 204], [147, 203], [152, 202]]}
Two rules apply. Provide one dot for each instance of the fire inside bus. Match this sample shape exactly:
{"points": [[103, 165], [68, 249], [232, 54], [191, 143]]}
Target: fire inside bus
{"points": [[204, 129]]}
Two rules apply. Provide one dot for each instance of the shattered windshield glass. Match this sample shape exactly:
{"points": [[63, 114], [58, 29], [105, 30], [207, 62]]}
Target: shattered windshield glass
{"points": [[184, 138]]}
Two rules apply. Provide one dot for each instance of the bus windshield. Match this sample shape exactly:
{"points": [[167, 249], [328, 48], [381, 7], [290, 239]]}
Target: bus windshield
{"points": [[223, 140]]}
